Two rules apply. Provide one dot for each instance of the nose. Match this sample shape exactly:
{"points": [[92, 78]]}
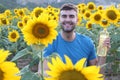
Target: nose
{"points": [[67, 18]]}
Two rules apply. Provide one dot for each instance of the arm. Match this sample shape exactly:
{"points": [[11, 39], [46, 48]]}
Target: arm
{"points": [[102, 59], [93, 62], [45, 67], [46, 53]]}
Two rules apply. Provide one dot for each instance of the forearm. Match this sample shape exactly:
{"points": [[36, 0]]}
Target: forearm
{"points": [[93, 62], [45, 67]]}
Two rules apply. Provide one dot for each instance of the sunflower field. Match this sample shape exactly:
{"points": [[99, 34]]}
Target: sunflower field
{"points": [[24, 33]]}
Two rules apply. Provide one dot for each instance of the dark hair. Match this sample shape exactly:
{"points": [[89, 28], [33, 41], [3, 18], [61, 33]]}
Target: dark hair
{"points": [[69, 6]]}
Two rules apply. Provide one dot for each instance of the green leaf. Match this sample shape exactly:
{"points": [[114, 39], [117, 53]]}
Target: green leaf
{"points": [[24, 70], [30, 76], [34, 61], [115, 68], [118, 49], [110, 59], [20, 54], [118, 55]]}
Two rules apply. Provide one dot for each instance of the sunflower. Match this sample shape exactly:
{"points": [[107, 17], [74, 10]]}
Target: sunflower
{"points": [[91, 6], [118, 22], [68, 71], [3, 55], [13, 36], [82, 11], [104, 23], [8, 70], [37, 11], [25, 19], [89, 25], [100, 7], [79, 19], [55, 17], [40, 30], [111, 14], [20, 24], [7, 12], [20, 12], [4, 21], [87, 15], [81, 6], [96, 17], [49, 7]]}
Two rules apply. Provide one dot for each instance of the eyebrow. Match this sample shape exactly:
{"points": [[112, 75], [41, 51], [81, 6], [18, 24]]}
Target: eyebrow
{"points": [[68, 15]]}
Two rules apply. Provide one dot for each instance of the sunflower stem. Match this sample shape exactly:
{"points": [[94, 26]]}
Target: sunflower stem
{"points": [[42, 71]]}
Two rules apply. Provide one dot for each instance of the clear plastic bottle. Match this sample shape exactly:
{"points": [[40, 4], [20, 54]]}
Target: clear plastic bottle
{"points": [[101, 49]]}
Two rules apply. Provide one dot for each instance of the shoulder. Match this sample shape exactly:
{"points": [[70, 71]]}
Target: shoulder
{"points": [[83, 37], [57, 40], [58, 37]]}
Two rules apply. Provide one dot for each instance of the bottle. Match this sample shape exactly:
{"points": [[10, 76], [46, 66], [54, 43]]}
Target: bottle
{"points": [[101, 49]]}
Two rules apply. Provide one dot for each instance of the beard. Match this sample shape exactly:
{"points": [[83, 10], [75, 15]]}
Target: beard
{"points": [[67, 26]]}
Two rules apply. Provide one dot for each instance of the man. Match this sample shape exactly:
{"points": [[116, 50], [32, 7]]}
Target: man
{"points": [[68, 42]]}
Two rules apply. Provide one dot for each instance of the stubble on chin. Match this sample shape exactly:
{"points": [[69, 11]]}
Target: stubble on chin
{"points": [[67, 31]]}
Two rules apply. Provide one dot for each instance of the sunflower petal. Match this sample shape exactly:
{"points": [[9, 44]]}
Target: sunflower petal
{"points": [[52, 73], [69, 63], [90, 69], [80, 64]]}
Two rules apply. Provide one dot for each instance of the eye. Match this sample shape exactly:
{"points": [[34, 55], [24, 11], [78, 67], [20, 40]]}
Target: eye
{"points": [[64, 16], [71, 16]]}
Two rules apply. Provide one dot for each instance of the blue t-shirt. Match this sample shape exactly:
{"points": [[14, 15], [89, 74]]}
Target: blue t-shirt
{"points": [[81, 47]]}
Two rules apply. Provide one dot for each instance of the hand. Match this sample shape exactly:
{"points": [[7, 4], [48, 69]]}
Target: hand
{"points": [[106, 43], [44, 68]]}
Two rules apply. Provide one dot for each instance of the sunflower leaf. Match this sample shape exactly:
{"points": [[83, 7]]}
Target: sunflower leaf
{"points": [[30, 76], [20, 54], [118, 49]]}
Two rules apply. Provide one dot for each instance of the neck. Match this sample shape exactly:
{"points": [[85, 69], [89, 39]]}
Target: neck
{"points": [[68, 36]]}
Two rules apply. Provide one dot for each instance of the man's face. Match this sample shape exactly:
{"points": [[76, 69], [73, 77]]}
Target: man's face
{"points": [[68, 20]]}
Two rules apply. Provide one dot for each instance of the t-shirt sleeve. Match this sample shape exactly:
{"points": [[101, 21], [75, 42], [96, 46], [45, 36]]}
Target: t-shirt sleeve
{"points": [[49, 50], [92, 54]]}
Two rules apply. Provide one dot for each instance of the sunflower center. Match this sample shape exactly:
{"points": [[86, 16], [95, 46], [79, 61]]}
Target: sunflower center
{"points": [[21, 13], [71, 75], [13, 35], [87, 15], [3, 21], [100, 8], [40, 30], [83, 11], [21, 24], [15, 10], [55, 18], [91, 6], [89, 25], [1, 75], [104, 22], [97, 17], [25, 21], [111, 15]]}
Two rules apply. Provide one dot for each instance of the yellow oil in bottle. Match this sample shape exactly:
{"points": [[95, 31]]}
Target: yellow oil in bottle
{"points": [[101, 49]]}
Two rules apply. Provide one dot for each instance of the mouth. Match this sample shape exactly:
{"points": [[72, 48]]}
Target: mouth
{"points": [[67, 23]]}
